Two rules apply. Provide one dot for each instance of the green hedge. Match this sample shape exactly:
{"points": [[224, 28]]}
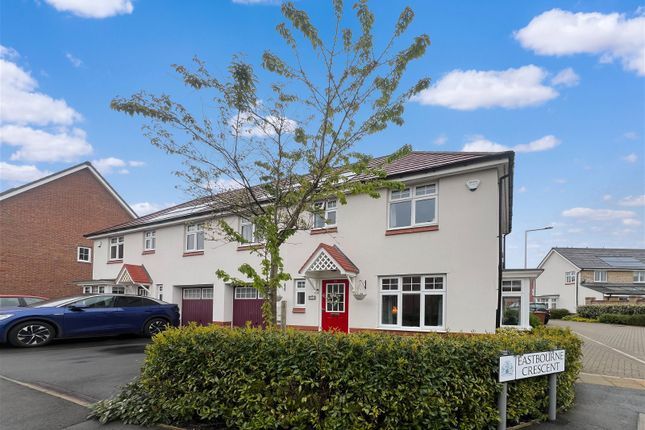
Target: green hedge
{"points": [[577, 318], [594, 311], [557, 314], [255, 379], [638, 320]]}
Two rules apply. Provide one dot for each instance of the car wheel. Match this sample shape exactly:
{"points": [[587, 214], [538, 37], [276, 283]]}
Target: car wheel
{"points": [[155, 326], [31, 333]]}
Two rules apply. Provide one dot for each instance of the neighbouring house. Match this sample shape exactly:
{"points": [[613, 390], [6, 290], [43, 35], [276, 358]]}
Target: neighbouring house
{"points": [[42, 247], [578, 276], [427, 258]]}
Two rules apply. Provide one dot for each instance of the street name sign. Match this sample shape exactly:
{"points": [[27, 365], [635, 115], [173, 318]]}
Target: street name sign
{"points": [[512, 367]]}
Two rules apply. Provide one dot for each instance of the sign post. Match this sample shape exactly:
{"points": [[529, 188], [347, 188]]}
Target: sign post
{"points": [[514, 367]]}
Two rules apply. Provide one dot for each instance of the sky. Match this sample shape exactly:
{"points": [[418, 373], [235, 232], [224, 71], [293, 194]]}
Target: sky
{"points": [[561, 83]]}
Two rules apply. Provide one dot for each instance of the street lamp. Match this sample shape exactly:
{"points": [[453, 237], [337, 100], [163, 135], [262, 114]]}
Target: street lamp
{"points": [[526, 233]]}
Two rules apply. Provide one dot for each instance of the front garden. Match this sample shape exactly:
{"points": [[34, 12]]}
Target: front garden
{"points": [[609, 314], [263, 379]]}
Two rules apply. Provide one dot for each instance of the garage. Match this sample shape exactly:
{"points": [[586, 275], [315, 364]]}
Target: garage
{"points": [[197, 305], [247, 307]]}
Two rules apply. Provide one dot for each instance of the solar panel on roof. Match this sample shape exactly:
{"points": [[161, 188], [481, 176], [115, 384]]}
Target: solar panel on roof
{"points": [[622, 261]]}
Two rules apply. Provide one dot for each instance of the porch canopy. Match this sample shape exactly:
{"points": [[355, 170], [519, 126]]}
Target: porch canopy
{"points": [[130, 275], [329, 262]]}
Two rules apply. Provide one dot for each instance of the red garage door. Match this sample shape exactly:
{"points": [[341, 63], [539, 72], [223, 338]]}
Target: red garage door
{"points": [[247, 306], [197, 305]]}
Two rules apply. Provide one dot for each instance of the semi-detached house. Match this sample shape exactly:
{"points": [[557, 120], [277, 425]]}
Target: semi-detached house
{"points": [[427, 258]]}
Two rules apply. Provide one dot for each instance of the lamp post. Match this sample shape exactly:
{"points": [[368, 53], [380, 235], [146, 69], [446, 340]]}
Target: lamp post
{"points": [[526, 234]]}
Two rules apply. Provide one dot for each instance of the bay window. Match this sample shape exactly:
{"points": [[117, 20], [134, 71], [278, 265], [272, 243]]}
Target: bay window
{"points": [[194, 237], [116, 248], [413, 206], [414, 301], [327, 216]]}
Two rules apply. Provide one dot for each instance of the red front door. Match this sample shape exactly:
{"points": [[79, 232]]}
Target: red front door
{"points": [[335, 305]]}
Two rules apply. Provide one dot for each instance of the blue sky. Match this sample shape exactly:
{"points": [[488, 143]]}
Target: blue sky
{"points": [[572, 103]]}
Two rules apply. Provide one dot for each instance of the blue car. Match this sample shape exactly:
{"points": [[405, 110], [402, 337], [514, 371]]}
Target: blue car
{"points": [[85, 316]]}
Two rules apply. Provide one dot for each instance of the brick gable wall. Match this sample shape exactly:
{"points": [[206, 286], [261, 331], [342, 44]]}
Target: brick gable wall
{"points": [[41, 228]]}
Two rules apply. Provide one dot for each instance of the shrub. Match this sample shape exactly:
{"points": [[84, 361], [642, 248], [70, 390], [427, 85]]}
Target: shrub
{"points": [[534, 320], [594, 311], [557, 314], [578, 318], [255, 379], [638, 320]]}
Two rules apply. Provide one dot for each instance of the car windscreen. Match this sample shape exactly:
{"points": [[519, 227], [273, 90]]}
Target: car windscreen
{"points": [[54, 302]]}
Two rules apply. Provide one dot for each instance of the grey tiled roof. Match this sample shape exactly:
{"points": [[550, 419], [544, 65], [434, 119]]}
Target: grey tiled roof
{"points": [[415, 162], [604, 258]]}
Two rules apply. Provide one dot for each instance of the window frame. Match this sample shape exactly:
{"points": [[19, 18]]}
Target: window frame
{"points": [[639, 276], [413, 198], [245, 223], [399, 292], [94, 289], [245, 296], [570, 277], [119, 287], [187, 232], [152, 238], [600, 279], [119, 244], [89, 254], [300, 286], [326, 210]]}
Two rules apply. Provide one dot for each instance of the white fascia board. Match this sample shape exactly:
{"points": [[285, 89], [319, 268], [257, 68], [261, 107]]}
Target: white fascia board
{"points": [[552, 251], [145, 227]]}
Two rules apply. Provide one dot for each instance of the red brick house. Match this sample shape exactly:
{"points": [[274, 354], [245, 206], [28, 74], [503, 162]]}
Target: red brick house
{"points": [[42, 248]]}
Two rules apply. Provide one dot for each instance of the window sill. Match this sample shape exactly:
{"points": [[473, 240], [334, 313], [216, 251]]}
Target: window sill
{"points": [[411, 230], [192, 253], [323, 230], [83, 261], [148, 252], [115, 261], [298, 310], [250, 247]]}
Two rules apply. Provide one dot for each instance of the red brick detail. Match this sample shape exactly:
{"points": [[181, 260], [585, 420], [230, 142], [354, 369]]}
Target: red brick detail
{"points": [[298, 310], [303, 327], [324, 230], [114, 262], [41, 228], [249, 247], [138, 274], [148, 252], [192, 253], [336, 254], [411, 230]]}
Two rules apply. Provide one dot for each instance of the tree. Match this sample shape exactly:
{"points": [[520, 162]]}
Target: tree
{"points": [[272, 160]]}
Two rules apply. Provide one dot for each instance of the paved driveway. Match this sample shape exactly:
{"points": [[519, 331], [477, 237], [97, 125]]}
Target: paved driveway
{"points": [[83, 371], [612, 350]]}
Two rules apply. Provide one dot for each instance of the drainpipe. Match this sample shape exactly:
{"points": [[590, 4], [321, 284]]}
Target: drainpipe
{"points": [[501, 261], [577, 282]]}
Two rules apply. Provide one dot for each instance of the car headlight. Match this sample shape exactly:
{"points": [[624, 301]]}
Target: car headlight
{"points": [[5, 316]]}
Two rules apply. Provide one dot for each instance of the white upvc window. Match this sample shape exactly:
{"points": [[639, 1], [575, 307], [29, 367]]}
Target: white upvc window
{"points": [[639, 276], [300, 288], [413, 301], [93, 289], [247, 230], [327, 216], [413, 206], [160, 291], [246, 293], [570, 277], [118, 289], [84, 254], [600, 276], [192, 294], [149, 240], [194, 237], [116, 248], [514, 286]]}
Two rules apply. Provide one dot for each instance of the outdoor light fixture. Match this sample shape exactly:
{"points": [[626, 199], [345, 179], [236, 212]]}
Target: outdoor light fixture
{"points": [[473, 184], [359, 290]]}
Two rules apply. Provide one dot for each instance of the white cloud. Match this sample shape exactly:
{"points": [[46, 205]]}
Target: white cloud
{"points": [[522, 189], [631, 222], [15, 173], [115, 165], [441, 139], [252, 2], [481, 144], [76, 62], [560, 181], [597, 214], [633, 201], [631, 158], [9, 53], [93, 8], [474, 89], [607, 197], [255, 128], [566, 77], [611, 36], [631, 135], [40, 145], [22, 104], [144, 208]]}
